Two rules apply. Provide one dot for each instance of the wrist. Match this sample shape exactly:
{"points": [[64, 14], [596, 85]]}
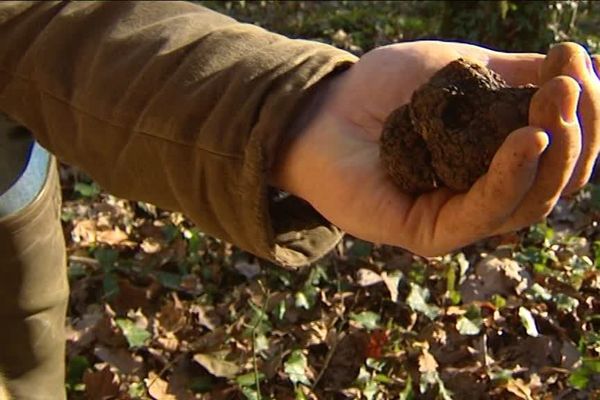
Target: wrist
{"points": [[297, 158]]}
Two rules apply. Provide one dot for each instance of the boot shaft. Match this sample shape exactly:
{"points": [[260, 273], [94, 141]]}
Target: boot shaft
{"points": [[33, 297]]}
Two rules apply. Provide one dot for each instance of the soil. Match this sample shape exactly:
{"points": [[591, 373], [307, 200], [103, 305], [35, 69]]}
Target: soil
{"points": [[454, 124]]}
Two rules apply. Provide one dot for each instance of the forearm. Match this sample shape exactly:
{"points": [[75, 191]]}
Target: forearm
{"points": [[164, 102]]}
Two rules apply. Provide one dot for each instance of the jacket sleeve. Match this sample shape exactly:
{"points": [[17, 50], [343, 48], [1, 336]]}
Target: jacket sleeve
{"points": [[170, 103]]}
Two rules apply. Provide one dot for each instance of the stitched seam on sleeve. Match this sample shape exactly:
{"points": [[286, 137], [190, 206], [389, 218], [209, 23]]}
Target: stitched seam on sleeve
{"points": [[110, 123]]}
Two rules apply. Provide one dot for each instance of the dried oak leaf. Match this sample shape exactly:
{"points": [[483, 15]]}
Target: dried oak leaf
{"points": [[101, 385]]}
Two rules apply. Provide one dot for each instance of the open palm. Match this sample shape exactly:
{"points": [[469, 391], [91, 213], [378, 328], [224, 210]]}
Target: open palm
{"points": [[334, 162]]}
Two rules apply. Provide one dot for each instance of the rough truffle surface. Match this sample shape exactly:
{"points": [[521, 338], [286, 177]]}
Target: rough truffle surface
{"points": [[449, 132]]}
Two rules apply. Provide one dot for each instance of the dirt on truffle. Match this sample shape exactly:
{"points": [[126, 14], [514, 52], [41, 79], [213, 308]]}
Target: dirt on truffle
{"points": [[454, 124]]}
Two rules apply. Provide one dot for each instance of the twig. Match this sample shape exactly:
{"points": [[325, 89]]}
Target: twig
{"points": [[164, 369], [84, 260], [328, 357], [254, 328]]}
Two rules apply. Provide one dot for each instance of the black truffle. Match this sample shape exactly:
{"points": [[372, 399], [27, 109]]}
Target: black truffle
{"points": [[454, 124]]}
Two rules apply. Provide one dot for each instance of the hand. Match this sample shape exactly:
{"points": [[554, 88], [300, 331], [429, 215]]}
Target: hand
{"points": [[333, 162]]}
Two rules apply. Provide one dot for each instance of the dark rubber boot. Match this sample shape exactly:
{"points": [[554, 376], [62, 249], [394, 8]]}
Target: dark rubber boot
{"points": [[33, 297]]}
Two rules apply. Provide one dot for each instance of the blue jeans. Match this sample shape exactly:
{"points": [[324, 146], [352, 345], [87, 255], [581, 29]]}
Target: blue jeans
{"points": [[23, 167]]}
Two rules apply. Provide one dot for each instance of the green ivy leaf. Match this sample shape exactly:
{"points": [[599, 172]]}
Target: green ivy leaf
{"points": [[370, 391], [280, 310], [169, 280], [407, 393], [250, 393], [367, 319], [136, 336], [540, 292], [75, 369], [137, 390], [295, 367], [302, 301], [201, 384], [87, 189], [417, 300], [566, 303], [360, 249], [465, 326], [579, 378], [106, 257], [110, 284], [528, 322], [249, 379]]}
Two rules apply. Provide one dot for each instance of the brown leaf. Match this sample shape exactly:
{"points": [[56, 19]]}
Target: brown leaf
{"points": [[206, 316], [494, 275], [217, 367], [427, 362], [519, 389], [249, 270], [183, 375], [169, 342], [192, 284], [130, 297], [348, 357], [570, 355], [100, 385], [83, 332], [172, 316], [211, 341], [119, 358], [151, 246], [111, 237], [158, 388], [84, 232], [107, 331], [464, 384]]}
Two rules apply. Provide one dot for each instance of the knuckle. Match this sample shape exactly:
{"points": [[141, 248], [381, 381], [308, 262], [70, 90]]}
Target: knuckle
{"points": [[541, 213], [535, 215], [575, 185]]}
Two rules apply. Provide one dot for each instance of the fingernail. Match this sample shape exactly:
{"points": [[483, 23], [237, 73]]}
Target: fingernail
{"points": [[572, 65], [534, 152], [589, 66]]}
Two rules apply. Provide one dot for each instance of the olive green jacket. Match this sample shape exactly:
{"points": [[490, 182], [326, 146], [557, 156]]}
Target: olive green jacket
{"points": [[170, 103]]}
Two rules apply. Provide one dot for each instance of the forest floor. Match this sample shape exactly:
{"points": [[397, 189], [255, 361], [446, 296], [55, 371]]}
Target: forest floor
{"points": [[160, 310]]}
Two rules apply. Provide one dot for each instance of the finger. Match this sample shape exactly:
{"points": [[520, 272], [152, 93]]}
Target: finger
{"points": [[517, 68], [572, 60], [553, 109], [465, 218]]}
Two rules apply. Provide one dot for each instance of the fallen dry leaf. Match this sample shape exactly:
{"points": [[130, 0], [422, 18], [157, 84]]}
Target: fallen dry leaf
{"points": [[519, 388], [101, 385], [120, 359], [111, 237], [217, 367], [493, 275], [157, 388]]}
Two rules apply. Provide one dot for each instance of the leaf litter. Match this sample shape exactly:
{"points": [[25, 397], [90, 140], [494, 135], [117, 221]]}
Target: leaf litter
{"points": [[515, 317]]}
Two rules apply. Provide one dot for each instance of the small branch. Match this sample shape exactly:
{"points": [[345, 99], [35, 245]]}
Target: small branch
{"points": [[254, 328], [328, 358], [92, 262]]}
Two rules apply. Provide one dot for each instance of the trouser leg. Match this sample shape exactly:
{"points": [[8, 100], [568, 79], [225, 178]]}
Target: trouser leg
{"points": [[33, 284]]}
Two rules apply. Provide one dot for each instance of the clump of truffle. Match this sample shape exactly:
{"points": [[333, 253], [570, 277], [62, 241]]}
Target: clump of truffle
{"points": [[454, 124]]}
